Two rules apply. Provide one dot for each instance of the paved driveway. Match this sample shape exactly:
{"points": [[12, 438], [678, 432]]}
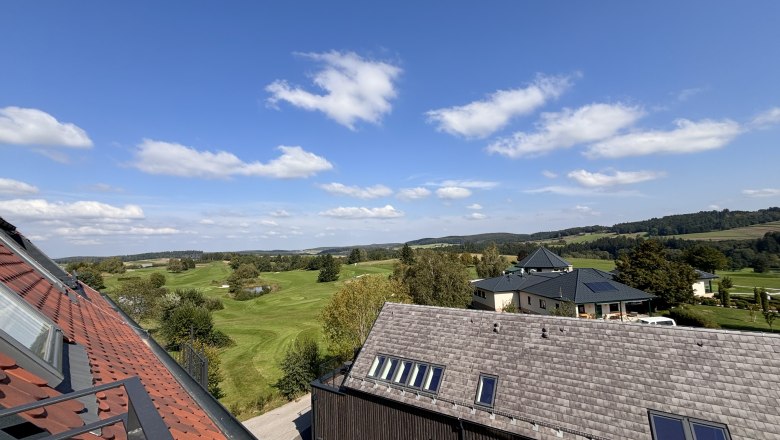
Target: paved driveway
{"points": [[289, 422]]}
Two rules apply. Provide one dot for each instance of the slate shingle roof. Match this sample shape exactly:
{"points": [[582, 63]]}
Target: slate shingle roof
{"points": [[543, 258], [588, 376], [705, 275], [513, 282], [584, 286], [114, 350]]}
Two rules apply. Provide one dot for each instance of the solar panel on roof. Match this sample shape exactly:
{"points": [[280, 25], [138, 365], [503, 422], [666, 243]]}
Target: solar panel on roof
{"points": [[601, 286]]}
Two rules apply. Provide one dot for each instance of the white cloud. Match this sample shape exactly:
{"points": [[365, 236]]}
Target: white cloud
{"points": [[452, 192], [473, 184], [688, 137], [764, 192], [579, 191], [16, 188], [482, 118], [281, 213], [767, 118], [686, 94], [104, 187], [567, 128], [29, 126], [585, 210], [474, 206], [370, 192], [39, 209], [385, 212], [413, 193], [549, 174], [157, 157], [586, 178], [476, 216], [356, 88], [207, 221], [89, 231], [268, 223]]}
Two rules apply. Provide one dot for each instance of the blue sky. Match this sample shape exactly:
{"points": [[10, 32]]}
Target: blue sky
{"points": [[236, 125]]}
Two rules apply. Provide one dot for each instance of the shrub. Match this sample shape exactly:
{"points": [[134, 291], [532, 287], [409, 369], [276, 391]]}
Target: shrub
{"points": [[220, 339], [709, 302], [176, 329], [251, 293], [213, 304], [157, 279], [215, 370], [740, 303], [192, 296], [686, 316], [300, 366]]}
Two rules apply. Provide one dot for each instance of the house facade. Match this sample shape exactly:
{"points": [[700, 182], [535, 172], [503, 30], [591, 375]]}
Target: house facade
{"points": [[703, 285], [440, 373]]}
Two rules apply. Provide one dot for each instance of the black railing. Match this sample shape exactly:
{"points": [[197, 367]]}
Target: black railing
{"points": [[141, 421], [195, 363]]}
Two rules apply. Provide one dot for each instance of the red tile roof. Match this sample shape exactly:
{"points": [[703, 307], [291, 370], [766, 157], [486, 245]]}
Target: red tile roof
{"points": [[115, 352]]}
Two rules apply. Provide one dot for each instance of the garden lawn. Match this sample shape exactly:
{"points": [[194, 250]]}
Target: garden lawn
{"points": [[745, 280], [581, 263], [736, 319]]}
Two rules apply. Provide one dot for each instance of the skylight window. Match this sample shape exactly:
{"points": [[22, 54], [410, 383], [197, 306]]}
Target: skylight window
{"points": [[403, 372], [433, 380], [486, 390], [674, 427], [35, 341], [376, 367], [389, 370], [420, 376]]}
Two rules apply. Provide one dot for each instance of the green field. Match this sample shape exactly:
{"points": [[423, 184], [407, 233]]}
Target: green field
{"points": [[736, 319], [263, 327], [745, 279], [581, 263], [746, 233]]}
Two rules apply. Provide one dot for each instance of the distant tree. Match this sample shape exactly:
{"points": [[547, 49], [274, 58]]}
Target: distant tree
{"points": [[760, 263], [492, 264], [246, 271], [76, 265], [565, 308], [176, 329], [316, 262], [724, 295], [188, 263], [705, 258], [407, 255], [300, 366], [175, 265], [764, 299], [465, 259], [91, 276], [354, 256], [646, 268], [770, 316], [157, 279], [139, 298], [111, 265], [756, 296], [435, 279], [330, 269], [753, 311], [349, 315]]}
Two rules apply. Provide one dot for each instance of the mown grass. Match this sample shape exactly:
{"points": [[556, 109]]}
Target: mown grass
{"points": [[581, 263], [736, 319], [745, 280], [263, 327], [745, 233]]}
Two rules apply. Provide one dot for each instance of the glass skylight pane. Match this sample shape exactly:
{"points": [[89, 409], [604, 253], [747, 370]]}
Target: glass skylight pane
{"points": [[707, 432], [667, 428], [434, 379], [403, 372], [486, 391], [376, 367], [419, 375], [24, 326], [390, 369]]}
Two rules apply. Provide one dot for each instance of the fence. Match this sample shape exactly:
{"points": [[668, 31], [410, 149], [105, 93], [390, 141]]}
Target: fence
{"points": [[196, 363]]}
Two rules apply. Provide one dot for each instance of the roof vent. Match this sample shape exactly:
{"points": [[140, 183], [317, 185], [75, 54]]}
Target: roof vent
{"points": [[700, 343], [544, 333], [497, 327]]}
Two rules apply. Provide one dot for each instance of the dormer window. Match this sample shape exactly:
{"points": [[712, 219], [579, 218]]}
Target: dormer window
{"points": [[486, 390]]}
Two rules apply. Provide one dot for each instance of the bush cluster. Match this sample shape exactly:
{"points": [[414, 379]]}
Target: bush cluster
{"points": [[686, 316]]}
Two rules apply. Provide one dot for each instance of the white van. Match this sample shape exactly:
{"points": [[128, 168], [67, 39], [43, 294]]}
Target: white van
{"points": [[657, 320]]}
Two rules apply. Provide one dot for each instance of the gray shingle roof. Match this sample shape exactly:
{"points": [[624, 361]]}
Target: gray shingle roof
{"points": [[513, 282], [588, 376], [543, 258], [705, 275], [584, 286]]}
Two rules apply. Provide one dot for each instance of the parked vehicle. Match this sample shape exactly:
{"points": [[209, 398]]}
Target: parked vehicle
{"points": [[657, 320]]}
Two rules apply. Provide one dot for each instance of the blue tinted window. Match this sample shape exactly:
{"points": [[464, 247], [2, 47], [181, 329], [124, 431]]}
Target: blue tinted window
{"points": [[486, 390], [434, 380], [390, 369], [707, 432], [403, 372], [667, 428], [376, 367], [419, 375]]}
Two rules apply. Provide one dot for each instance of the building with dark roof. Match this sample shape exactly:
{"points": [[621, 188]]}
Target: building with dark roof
{"points": [[440, 373], [593, 292], [541, 260], [72, 365], [703, 285]]}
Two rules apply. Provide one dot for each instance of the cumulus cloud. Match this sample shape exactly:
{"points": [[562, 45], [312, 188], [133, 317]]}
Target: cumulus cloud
{"points": [[29, 126], [452, 192], [476, 216], [157, 157], [567, 128], [370, 192], [688, 137], [281, 213], [563, 190], [207, 221], [385, 212], [475, 206], [413, 193], [356, 88], [89, 231], [764, 192], [549, 174], [767, 118], [479, 119], [585, 210], [39, 209], [16, 188], [586, 178]]}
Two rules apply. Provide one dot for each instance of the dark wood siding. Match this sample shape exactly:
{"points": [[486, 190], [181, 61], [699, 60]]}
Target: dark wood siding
{"points": [[352, 415]]}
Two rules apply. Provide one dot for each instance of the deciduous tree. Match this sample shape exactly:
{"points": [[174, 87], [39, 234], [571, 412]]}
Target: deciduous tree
{"points": [[492, 264], [435, 279], [705, 258], [300, 366]]}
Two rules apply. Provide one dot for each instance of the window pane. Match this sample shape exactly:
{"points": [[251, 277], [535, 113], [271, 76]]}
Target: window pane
{"points": [[486, 390], [419, 375], [667, 428], [28, 329], [434, 379], [376, 367], [706, 432], [403, 372], [390, 369]]}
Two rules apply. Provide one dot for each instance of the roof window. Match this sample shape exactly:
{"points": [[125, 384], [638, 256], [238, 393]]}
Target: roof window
{"points": [[674, 427], [486, 390], [420, 376]]}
